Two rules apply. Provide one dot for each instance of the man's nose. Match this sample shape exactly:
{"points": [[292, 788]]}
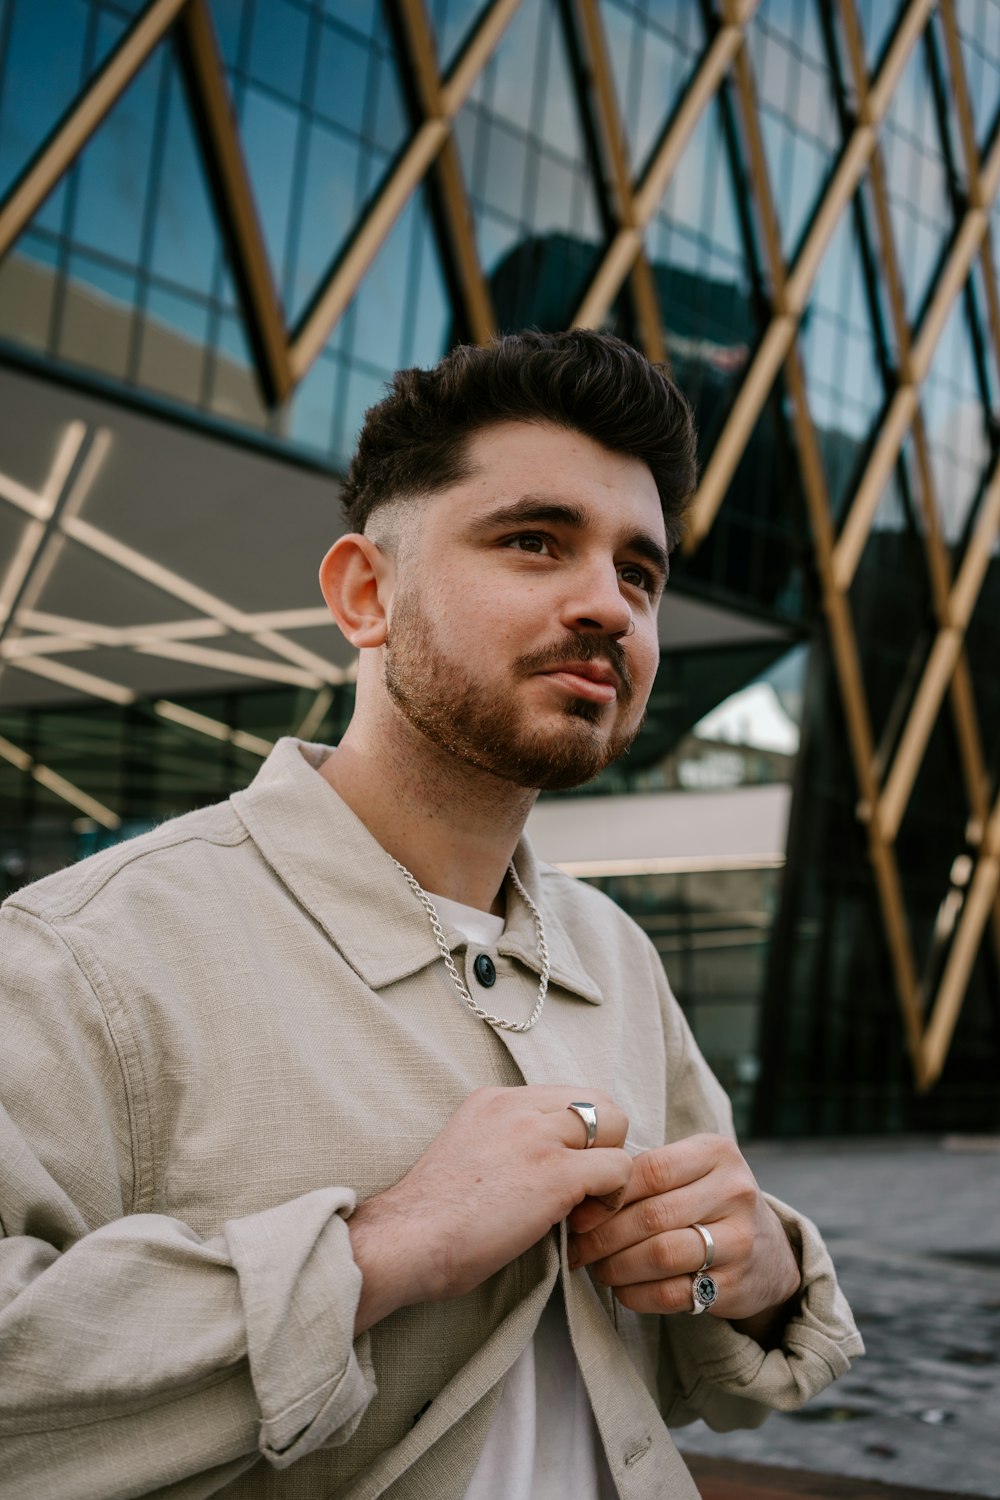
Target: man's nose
{"points": [[597, 604]]}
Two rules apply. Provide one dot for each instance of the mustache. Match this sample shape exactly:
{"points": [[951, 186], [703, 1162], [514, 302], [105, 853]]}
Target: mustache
{"points": [[581, 648]]}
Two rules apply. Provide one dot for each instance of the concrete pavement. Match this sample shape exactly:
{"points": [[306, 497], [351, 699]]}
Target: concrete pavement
{"points": [[914, 1228]]}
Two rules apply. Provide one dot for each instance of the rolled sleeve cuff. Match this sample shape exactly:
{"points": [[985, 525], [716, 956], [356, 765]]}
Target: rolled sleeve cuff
{"points": [[299, 1288], [730, 1381]]}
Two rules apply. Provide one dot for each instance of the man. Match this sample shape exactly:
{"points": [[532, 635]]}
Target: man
{"points": [[334, 1154]]}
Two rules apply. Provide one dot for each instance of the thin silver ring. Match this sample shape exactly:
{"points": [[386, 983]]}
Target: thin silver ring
{"points": [[709, 1248], [704, 1291], [588, 1114]]}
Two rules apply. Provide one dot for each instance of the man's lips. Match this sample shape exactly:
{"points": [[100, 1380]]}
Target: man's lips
{"points": [[593, 680]]}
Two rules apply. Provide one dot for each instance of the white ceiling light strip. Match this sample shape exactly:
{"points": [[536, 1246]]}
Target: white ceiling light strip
{"points": [[72, 677], [46, 777], [65, 503], [40, 508], [220, 617], [230, 661], [202, 724], [189, 593]]}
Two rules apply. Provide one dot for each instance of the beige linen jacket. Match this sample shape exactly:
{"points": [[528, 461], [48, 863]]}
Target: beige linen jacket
{"points": [[216, 1039]]}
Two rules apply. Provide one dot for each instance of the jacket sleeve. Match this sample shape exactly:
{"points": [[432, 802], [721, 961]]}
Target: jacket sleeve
{"points": [[707, 1368], [137, 1357]]}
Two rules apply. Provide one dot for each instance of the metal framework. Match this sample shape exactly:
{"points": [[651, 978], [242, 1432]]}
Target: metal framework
{"points": [[283, 355]]}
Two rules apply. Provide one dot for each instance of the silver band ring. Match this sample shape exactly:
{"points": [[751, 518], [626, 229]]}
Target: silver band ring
{"points": [[588, 1114], [704, 1291], [709, 1248]]}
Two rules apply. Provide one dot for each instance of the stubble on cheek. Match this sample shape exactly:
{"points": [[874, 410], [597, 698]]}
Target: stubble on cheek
{"points": [[489, 726]]}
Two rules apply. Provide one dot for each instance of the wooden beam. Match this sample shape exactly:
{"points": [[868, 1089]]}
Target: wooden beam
{"points": [[982, 895], [340, 285], [214, 118], [71, 134], [764, 366], [592, 50], [454, 210], [647, 194]]}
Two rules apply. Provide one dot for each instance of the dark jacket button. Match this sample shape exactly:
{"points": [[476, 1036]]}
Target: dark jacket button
{"points": [[485, 972]]}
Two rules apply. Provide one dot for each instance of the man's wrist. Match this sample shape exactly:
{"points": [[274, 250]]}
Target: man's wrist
{"points": [[384, 1254], [768, 1326]]}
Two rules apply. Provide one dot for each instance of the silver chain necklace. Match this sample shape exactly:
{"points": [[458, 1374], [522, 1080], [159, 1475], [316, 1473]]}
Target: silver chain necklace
{"points": [[543, 951]]}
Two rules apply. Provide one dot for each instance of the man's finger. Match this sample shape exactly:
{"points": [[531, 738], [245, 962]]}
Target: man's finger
{"points": [[611, 1122], [681, 1252], [669, 1168], [662, 1297], [601, 1173], [593, 1212]]}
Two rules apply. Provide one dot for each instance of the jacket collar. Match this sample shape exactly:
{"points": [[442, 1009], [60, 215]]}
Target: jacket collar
{"points": [[347, 882]]}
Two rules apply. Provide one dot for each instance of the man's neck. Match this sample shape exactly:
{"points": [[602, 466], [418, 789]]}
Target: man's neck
{"points": [[453, 826]]}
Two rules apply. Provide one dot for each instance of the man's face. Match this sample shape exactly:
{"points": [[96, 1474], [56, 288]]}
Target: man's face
{"points": [[510, 640]]}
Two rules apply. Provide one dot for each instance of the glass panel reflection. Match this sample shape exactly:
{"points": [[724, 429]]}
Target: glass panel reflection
{"points": [[184, 237], [32, 98], [957, 429], [797, 116], [401, 316], [979, 30], [533, 198], [917, 178], [891, 606], [653, 50], [110, 181], [839, 351], [698, 256], [878, 21], [454, 21]]}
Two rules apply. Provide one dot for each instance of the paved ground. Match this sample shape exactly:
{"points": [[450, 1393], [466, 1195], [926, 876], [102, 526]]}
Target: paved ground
{"points": [[914, 1227], [722, 1479]]}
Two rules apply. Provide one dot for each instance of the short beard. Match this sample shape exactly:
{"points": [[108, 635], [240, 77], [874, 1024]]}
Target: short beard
{"points": [[481, 728]]}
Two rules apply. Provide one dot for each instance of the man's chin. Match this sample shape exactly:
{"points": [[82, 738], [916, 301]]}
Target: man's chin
{"points": [[562, 761]]}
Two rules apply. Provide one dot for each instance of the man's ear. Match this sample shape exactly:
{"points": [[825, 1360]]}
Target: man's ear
{"points": [[357, 578]]}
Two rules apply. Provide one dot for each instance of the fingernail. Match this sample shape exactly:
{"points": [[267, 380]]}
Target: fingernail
{"points": [[573, 1260]]}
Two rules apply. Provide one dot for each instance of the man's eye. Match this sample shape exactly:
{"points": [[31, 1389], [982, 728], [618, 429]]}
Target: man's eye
{"points": [[529, 541], [636, 577]]}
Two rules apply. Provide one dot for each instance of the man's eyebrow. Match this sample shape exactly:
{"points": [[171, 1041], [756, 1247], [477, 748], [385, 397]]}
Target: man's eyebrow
{"points": [[544, 508], [532, 508], [648, 547]]}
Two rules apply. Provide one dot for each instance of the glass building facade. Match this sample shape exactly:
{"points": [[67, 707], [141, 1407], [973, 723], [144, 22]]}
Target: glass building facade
{"points": [[225, 223]]}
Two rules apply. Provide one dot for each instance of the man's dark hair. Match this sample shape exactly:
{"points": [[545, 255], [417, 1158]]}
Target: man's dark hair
{"points": [[415, 441]]}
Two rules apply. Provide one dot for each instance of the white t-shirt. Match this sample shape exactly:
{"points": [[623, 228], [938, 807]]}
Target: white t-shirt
{"points": [[544, 1443]]}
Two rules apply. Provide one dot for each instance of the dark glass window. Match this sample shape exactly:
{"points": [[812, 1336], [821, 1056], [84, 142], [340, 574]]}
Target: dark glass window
{"points": [[840, 355], [979, 29], [453, 21], [878, 22], [654, 46], [916, 172], [890, 601], [798, 120], [532, 193], [400, 316], [956, 425], [697, 249], [34, 97]]}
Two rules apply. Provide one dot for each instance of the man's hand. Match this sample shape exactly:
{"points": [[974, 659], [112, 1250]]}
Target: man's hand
{"points": [[509, 1164], [647, 1251]]}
